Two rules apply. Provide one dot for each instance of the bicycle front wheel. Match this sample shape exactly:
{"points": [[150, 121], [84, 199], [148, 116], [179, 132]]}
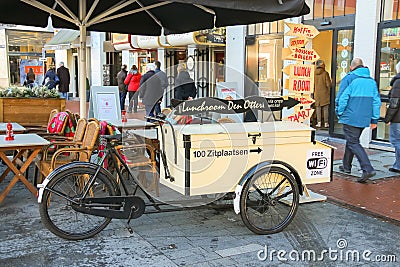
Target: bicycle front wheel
{"points": [[269, 200], [56, 209]]}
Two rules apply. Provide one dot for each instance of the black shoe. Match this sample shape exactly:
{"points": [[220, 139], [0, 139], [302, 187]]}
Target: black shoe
{"points": [[365, 176], [342, 169], [394, 170]]}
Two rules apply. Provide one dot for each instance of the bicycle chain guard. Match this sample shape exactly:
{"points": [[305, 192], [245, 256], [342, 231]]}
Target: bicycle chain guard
{"points": [[132, 207]]}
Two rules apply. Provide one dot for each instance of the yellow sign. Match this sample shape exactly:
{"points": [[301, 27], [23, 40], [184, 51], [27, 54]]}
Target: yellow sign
{"points": [[300, 115], [298, 42], [300, 85], [301, 30], [120, 38], [299, 70], [303, 54]]}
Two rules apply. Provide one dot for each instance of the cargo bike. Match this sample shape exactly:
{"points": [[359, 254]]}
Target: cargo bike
{"points": [[262, 167]]}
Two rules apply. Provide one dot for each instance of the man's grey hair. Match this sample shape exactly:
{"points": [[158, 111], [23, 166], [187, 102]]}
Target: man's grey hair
{"points": [[150, 66], [356, 62], [61, 63]]}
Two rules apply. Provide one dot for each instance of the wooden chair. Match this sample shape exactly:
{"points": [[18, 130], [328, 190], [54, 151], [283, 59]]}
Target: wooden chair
{"points": [[62, 141], [81, 151], [141, 156], [41, 129]]}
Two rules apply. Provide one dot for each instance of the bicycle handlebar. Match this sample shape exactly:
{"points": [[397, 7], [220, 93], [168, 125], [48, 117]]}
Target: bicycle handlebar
{"points": [[154, 118]]}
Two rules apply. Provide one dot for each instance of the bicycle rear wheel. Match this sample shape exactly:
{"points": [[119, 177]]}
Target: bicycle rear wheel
{"points": [[56, 210], [269, 200]]}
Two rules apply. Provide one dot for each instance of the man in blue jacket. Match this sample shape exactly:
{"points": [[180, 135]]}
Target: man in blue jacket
{"points": [[357, 107]]}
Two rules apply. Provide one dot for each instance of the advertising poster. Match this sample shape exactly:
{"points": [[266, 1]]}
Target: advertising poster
{"points": [[227, 90], [104, 103], [35, 65], [106, 106]]}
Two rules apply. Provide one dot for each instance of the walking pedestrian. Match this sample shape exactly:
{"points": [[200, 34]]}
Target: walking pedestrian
{"points": [[30, 78], [322, 90], [357, 107], [122, 88], [50, 78], [184, 85], [133, 82], [164, 84], [63, 75], [150, 89], [393, 117]]}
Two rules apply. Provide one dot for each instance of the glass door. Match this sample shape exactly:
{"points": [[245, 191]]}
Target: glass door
{"points": [[344, 43]]}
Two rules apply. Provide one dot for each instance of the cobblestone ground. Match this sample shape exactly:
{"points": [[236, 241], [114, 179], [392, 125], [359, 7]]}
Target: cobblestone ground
{"points": [[203, 237]]}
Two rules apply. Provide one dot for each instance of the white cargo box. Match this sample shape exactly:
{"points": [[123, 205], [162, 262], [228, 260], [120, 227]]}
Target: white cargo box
{"points": [[212, 158]]}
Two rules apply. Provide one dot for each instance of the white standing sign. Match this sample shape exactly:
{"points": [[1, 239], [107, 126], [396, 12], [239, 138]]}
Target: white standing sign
{"points": [[104, 104]]}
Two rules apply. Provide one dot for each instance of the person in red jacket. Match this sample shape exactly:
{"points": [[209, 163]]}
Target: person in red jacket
{"points": [[133, 82]]}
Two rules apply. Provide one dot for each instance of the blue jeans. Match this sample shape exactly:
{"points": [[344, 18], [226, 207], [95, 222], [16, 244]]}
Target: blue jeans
{"points": [[352, 135], [64, 95], [149, 111], [133, 101], [122, 97], [394, 138]]}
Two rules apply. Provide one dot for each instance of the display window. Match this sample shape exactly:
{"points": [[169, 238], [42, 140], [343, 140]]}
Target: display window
{"points": [[389, 56], [25, 51]]}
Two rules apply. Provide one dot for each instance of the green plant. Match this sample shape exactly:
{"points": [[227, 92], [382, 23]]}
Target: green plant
{"points": [[37, 91]]}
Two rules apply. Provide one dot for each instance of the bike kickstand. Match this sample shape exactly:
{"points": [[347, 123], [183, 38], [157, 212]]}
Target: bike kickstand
{"points": [[128, 223]]}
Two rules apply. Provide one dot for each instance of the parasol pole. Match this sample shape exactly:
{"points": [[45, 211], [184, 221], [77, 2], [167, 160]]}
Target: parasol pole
{"points": [[82, 60]]}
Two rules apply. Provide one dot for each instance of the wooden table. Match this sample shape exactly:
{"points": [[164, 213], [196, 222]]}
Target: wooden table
{"points": [[22, 143], [17, 128], [145, 133]]}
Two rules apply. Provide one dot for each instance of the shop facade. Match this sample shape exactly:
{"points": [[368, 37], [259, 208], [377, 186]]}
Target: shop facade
{"points": [[21, 49], [369, 29], [203, 53]]}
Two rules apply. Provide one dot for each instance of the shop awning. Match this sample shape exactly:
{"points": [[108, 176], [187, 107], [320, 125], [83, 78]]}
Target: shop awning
{"points": [[62, 40]]}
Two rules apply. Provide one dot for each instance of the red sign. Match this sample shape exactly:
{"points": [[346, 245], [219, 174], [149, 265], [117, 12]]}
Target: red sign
{"points": [[301, 85], [305, 100], [298, 42], [301, 30], [303, 55], [301, 115], [36, 69]]}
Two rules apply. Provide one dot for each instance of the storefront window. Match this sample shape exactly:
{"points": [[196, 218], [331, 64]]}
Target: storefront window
{"points": [[25, 51], [330, 8], [390, 9], [266, 28], [144, 57], [338, 7], [269, 66], [318, 9], [389, 57]]}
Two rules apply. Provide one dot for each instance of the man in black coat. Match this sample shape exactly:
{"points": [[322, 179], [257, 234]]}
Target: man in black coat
{"points": [[63, 75], [150, 89], [122, 87]]}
